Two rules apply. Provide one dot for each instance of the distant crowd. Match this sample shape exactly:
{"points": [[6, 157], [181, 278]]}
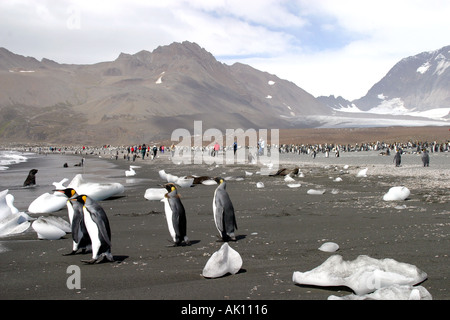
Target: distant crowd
{"points": [[382, 147], [143, 151]]}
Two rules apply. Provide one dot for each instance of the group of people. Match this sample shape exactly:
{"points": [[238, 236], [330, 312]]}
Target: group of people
{"points": [[143, 150], [133, 151]]}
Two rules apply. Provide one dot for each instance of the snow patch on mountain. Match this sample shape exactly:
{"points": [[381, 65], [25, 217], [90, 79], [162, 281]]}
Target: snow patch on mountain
{"points": [[348, 108], [396, 106], [424, 68], [442, 66], [393, 106]]}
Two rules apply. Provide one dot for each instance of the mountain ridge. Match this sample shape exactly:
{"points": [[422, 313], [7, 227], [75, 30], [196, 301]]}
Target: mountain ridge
{"points": [[145, 96], [142, 96], [417, 85]]}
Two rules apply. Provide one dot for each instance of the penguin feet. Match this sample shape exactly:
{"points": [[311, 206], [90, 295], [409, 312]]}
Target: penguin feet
{"points": [[186, 242], [100, 259], [92, 261], [70, 253], [73, 252], [226, 238]]}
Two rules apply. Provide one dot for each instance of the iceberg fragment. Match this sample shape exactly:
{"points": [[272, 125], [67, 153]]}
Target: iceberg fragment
{"points": [[363, 275], [225, 260], [397, 194]]}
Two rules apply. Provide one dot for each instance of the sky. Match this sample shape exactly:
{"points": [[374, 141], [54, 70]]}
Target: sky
{"points": [[326, 47]]}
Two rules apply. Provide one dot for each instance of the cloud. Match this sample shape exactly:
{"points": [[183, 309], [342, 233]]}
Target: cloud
{"points": [[324, 46]]}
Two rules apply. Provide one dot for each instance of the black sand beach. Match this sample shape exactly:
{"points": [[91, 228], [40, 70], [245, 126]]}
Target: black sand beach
{"points": [[279, 229]]}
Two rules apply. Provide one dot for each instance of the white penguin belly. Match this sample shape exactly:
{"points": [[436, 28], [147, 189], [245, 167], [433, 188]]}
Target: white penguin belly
{"points": [[169, 214], [216, 218], [93, 231], [69, 211]]}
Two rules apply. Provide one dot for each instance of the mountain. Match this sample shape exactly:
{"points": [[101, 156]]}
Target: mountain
{"points": [[144, 97], [141, 97], [416, 86]]}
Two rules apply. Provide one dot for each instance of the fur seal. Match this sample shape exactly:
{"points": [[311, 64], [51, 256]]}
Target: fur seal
{"points": [[31, 179]]}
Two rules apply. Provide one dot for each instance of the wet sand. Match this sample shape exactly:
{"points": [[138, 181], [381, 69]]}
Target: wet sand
{"points": [[279, 229]]}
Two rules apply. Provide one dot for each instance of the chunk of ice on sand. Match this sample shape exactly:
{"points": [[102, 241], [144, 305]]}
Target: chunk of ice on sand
{"points": [[225, 260], [363, 275], [397, 194]]}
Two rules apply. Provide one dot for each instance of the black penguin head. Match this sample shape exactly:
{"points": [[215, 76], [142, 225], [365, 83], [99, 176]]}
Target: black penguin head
{"points": [[170, 187], [219, 180], [81, 199], [68, 192]]}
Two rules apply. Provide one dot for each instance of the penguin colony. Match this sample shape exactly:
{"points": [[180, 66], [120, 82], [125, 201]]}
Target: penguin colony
{"points": [[91, 230]]}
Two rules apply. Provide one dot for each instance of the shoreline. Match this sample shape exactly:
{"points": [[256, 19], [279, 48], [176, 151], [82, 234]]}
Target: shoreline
{"points": [[306, 136], [279, 230]]}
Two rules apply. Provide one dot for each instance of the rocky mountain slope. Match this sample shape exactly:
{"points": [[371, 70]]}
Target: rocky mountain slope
{"points": [[141, 97], [144, 97]]}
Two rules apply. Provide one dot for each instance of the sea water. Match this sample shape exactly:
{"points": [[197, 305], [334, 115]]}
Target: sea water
{"points": [[11, 157]]}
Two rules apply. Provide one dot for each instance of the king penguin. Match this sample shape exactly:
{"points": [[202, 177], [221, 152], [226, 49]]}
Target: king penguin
{"points": [[97, 225], [224, 212], [175, 215], [80, 235]]}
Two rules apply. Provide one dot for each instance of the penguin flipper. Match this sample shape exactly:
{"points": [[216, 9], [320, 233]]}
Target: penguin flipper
{"points": [[76, 226]]}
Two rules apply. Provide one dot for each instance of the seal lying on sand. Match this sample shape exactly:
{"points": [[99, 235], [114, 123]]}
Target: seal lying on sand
{"points": [[200, 180], [31, 179], [284, 172]]}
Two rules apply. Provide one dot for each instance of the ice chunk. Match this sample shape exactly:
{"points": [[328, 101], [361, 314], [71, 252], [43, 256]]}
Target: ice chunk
{"points": [[288, 178], [60, 185], [50, 229], [394, 292], [226, 260], [209, 182], [162, 174], [185, 182], [315, 192], [362, 173], [48, 202], [363, 275], [97, 191], [155, 193], [171, 178], [15, 223], [130, 173], [397, 194], [329, 247]]}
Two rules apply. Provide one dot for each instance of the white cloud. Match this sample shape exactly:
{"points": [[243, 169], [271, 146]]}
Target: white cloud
{"points": [[324, 46]]}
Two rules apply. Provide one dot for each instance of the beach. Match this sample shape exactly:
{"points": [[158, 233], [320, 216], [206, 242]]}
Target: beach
{"points": [[279, 228]]}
